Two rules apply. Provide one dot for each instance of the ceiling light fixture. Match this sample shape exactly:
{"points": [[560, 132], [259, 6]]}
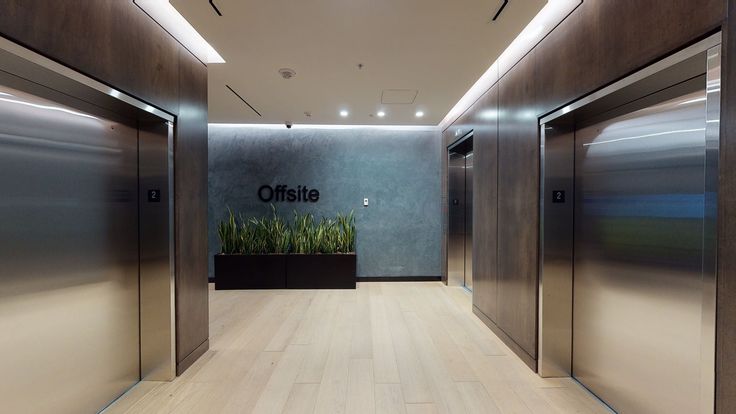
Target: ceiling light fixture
{"points": [[173, 22], [344, 113], [419, 114], [381, 114]]}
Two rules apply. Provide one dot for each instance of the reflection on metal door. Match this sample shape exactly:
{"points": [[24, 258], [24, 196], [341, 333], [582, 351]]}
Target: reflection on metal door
{"points": [[469, 221], [456, 233], [639, 254], [69, 252]]}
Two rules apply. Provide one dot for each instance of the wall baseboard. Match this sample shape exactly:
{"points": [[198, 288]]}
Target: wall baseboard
{"points": [[400, 279]]}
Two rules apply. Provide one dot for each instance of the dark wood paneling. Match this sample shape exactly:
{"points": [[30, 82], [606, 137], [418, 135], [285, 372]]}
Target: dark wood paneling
{"points": [[598, 43], [602, 41], [518, 205], [629, 34], [485, 164], [112, 41], [528, 360], [116, 43], [192, 308], [726, 293]]}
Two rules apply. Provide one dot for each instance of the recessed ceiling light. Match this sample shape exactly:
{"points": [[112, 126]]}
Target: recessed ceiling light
{"points": [[419, 114], [344, 113], [381, 114]]}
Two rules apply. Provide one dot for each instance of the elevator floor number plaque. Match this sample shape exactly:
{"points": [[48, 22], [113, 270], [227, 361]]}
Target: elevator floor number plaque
{"points": [[558, 196], [154, 196]]}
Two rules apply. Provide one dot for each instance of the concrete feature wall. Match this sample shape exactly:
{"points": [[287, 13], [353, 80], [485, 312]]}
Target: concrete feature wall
{"points": [[398, 234]]}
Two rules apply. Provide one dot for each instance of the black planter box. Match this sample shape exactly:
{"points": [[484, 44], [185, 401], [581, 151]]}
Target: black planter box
{"points": [[320, 271], [241, 271]]}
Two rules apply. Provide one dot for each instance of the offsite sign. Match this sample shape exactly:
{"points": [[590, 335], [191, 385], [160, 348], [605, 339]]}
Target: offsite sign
{"points": [[282, 193]]}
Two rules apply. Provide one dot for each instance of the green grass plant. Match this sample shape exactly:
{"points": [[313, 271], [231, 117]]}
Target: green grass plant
{"points": [[274, 235]]}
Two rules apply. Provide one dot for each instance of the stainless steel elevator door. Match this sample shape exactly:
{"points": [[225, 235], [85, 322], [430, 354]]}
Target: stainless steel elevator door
{"points": [[456, 233], [638, 280], [69, 252], [469, 221]]}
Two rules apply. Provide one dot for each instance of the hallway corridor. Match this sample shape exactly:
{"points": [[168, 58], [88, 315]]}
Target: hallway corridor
{"points": [[384, 348]]}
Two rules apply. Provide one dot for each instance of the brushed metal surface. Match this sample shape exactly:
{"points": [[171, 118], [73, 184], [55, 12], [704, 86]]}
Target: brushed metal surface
{"points": [[710, 229], [24, 55], [69, 253], [158, 359], [557, 152], [456, 215], [639, 254], [468, 277]]}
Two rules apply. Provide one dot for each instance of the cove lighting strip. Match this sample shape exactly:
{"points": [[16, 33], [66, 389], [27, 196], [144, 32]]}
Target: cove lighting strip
{"points": [[318, 126], [554, 12], [173, 22]]}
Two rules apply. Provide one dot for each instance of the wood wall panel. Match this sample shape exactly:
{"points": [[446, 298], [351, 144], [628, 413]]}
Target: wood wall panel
{"points": [[485, 198], [518, 205], [192, 306], [111, 41], [116, 43], [726, 285], [598, 43]]}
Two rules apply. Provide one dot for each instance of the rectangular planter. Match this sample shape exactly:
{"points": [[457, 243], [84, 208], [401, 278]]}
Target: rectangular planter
{"points": [[259, 271], [320, 271]]}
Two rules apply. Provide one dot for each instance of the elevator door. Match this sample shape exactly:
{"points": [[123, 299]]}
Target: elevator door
{"points": [[456, 233], [69, 252], [468, 276], [460, 192], [638, 280]]}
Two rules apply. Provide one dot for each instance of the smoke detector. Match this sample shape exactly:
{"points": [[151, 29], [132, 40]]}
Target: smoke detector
{"points": [[287, 73]]}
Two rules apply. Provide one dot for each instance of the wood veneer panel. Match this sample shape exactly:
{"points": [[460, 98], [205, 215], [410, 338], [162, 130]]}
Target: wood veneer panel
{"points": [[485, 199], [192, 307], [112, 41], [726, 283], [630, 34], [518, 206]]}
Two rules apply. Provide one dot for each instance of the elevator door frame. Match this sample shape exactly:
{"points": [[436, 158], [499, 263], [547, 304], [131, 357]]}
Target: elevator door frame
{"points": [[157, 347], [462, 146], [557, 165]]}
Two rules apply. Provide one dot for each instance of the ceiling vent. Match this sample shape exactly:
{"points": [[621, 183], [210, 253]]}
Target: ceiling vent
{"points": [[244, 101], [287, 73], [499, 10], [214, 7], [399, 96]]}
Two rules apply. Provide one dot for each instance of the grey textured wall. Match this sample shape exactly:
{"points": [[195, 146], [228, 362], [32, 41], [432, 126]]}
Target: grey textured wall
{"points": [[398, 234]]}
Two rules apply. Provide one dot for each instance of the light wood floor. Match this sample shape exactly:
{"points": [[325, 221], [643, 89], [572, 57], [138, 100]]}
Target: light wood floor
{"points": [[384, 348]]}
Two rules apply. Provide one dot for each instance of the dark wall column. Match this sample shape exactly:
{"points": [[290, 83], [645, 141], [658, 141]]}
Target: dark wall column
{"points": [[190, 181], [726, 284]]}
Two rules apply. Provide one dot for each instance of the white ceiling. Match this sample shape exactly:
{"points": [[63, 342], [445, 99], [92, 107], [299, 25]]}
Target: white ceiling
{"points": [[436, 47]]}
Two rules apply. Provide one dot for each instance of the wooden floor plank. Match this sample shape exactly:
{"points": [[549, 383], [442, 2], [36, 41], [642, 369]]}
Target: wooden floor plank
{"points": [[361, 394], [404, 348]]}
